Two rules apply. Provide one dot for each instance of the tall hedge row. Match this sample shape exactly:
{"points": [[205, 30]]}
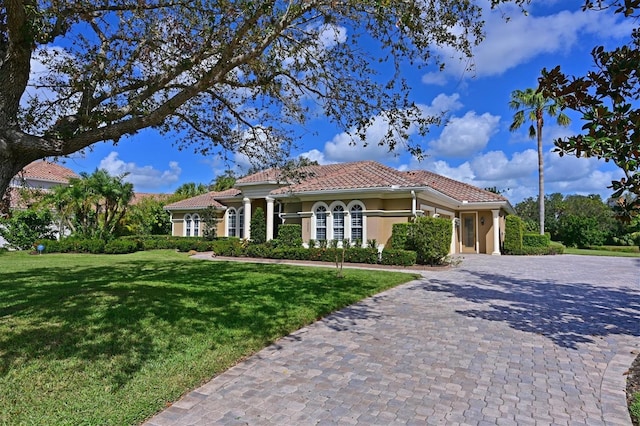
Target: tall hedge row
{"points": [[513, 234], [430, 238]]}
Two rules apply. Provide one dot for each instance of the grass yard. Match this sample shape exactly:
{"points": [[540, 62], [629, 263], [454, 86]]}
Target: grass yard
{"points": [[591, 252], [111, 339]]}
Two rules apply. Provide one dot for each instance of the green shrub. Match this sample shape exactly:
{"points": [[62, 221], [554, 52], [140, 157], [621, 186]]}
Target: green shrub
{"points": [[322, 254], [290, 235], [81, 245], [228, 247], [361, 255], [23, 228], [50, 246], [531, 239], [120, 246], [398, 257], [399, 234], [581, 231], [513, 235], [258, 226], [259, 250], [538, 251], [430, 237], [185, 244]]}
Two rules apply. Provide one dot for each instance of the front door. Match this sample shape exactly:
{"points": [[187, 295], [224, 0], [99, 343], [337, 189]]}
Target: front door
{"points": [[468, 232]]}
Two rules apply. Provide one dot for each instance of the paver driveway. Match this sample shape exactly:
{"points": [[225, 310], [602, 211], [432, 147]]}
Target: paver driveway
{"points": [[497, 340]]}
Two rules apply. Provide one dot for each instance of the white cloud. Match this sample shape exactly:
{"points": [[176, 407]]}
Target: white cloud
{"points": [[464, 136], [435, 78], [343, 148], [315, 155], [330, 35], [495, 166], [142, 177], [463, 172], [522, 38]]}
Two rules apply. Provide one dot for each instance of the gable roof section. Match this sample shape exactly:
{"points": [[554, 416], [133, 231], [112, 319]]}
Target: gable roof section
{"points": [[278, 176], [47, 171], [452, 188], [345, 176], [210, 199]]}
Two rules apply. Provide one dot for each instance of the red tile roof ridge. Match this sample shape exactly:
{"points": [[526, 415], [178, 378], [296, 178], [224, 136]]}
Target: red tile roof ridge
{"points": [[436, 181], [47, 171]]}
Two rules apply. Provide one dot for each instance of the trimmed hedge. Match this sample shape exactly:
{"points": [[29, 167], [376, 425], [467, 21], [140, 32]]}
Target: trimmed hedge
{"points": [[398, 257], [531, 239], [399, 236], [430, 238], [232, 247], [119, 246], [513, 234], [289, 235]]}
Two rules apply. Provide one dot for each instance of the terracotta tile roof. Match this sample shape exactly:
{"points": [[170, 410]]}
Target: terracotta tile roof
{"points": [[47, 171], [452, 188], [275, 175], [361, 174], [203, 201]]}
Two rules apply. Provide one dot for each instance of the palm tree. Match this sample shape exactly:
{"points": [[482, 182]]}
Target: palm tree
{"points": [[531, 105]]}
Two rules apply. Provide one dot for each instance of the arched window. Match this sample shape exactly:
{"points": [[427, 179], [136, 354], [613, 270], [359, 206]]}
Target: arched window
{"points": [[321, 223], [356, 223], [232, 220], [241, 222], [187, 225], [196, 225]]}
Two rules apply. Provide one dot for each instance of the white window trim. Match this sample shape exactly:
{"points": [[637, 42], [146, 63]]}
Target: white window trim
{"points": [[364, 221], [314, 235], [347, 221], [227, 220], [187, 225], [196, 230], [240, 223]]}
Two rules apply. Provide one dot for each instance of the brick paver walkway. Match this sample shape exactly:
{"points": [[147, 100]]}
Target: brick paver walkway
{"points": [[497, 340]]}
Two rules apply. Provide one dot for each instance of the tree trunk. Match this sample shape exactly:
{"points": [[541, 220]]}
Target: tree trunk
{"points": [[540, 172]]}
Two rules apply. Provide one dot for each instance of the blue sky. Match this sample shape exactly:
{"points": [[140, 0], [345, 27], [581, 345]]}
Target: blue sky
{"points": [[473, 145]]}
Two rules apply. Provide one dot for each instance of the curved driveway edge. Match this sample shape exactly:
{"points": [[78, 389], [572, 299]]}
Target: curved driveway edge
{"points": [[497, 340]]}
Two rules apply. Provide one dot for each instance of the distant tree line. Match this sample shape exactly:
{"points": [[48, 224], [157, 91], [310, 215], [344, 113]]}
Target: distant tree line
{"points": [[580, 221]]}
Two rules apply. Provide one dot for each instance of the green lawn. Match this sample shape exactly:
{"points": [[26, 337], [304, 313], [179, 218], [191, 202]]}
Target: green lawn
{"points": [[109, 340], [590, 252]]}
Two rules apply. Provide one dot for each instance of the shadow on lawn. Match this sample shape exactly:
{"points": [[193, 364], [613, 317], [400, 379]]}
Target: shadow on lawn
{"points": [[138, 311], [566, 313]]}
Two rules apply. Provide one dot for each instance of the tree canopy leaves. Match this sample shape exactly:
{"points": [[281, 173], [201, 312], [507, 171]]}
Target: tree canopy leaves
{"points": [[238, 76]]}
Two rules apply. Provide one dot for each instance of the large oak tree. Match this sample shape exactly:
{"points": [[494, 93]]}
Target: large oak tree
{"points": [[226, 75]]}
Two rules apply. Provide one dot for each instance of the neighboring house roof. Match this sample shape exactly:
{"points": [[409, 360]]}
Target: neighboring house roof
{"points": [[139, 196], [452, 188], [47, 171], [210, 199]]}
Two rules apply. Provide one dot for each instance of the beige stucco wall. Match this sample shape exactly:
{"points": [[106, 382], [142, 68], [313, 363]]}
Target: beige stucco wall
{"points": [[178, 223]]}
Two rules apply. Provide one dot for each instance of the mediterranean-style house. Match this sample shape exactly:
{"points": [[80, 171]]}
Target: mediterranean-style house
{"points": [[39, 175], [358, 201]]}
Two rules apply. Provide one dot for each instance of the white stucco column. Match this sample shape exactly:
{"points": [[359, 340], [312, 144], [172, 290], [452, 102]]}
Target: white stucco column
{"points": [[454, 237], [496, 232], [269, 218], [247, 218]]}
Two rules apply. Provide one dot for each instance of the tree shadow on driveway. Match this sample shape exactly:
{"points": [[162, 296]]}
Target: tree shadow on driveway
{"points": [[566, 313]]}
